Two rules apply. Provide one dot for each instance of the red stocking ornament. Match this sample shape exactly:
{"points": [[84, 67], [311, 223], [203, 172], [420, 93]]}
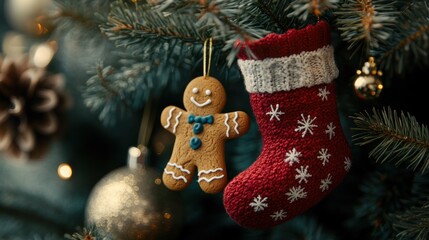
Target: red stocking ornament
{"points": [[305, 154]]}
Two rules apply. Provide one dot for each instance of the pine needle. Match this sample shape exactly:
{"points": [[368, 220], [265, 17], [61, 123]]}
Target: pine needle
{"points": [[366, 23], [87, 233], [408, 42], [399, 138], [412, 224], [305, 8]]}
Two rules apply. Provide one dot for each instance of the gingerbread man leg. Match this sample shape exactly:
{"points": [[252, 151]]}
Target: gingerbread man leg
{"points": [[212, 176], [178, 173]]}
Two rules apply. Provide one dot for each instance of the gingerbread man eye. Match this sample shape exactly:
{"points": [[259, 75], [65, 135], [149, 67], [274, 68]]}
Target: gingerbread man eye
{"points": [[208, 92], [195, 90]]}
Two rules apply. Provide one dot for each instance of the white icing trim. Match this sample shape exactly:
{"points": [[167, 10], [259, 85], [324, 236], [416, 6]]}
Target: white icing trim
{"points": [[170, 115], [180, 167], [226, 124], [174, 176], [210, 179], [177, 122], [201, 104], [287, 73], [236, 123], [209, 171]]}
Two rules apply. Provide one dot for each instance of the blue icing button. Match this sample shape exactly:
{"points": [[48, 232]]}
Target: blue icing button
{"points": [[195, 143], [191, 118], [198, 128], [209, 119]]}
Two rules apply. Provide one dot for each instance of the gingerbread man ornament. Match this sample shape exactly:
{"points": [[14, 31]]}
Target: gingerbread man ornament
{"points": [[201, 131]]}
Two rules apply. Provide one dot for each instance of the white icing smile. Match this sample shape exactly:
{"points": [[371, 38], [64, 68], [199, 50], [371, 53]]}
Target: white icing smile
{"points": [[201, 104]]}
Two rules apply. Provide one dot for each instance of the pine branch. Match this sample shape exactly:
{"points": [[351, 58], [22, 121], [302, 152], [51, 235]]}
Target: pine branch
{"points": [[103, 93], [279, 16], [150, 34], [143, 26], [219, 18], [366, 23], [412, 224], [409, 40], [74, 13], [125, 87], [229, 22], [305, 8], [400, 139], [302, 227], [132, 22], [386, 192], [77, 32], [274, 14], [87, 233]]}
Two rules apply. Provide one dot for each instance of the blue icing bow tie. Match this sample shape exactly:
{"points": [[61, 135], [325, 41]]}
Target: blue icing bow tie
{"points": [[198, 127], [200, 119]]}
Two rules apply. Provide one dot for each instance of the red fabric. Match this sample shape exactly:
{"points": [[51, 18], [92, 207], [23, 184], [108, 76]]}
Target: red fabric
{"points": [[270, 176], [292, 42]]}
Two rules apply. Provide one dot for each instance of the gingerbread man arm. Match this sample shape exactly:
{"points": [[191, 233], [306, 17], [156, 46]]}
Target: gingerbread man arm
{"points": [[234, 124], [171, 118]]}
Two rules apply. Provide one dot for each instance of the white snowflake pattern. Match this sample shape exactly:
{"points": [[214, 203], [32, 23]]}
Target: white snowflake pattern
{"points": [[296, 193], [303, 174], [275, 113], [292, 156], [323, 93], [347, 164], [278, 215], [324, 156], [330, 130], [306, 125], [259, 203], [324, 183]]}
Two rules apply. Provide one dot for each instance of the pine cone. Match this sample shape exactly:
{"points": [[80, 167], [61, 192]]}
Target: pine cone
{"points": [[31, 105]]}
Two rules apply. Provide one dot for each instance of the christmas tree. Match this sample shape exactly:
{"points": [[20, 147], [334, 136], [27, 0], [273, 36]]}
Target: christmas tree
{"points": [[92, 109]]}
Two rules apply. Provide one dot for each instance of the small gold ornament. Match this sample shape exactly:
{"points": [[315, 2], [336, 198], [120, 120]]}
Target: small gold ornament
{"points": [[368, 84], [132, 203]]}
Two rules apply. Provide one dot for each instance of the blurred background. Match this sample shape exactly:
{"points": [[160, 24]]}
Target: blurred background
{"points": [[104, 75]]}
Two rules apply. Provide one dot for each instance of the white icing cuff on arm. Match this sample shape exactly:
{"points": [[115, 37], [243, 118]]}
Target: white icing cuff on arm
{"points": [[287, 73]]}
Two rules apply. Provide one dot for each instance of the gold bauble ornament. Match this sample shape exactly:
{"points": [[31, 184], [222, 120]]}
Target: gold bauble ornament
{"points": [[131, 203], [368, 87], [367, 83], [30, 16]]}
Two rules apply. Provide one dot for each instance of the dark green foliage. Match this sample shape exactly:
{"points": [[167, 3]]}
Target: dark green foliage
{"points": [[167, 36], [384, 192], [412, 224], [399, 138], [302, 227], [364, 24], [408, 41]]}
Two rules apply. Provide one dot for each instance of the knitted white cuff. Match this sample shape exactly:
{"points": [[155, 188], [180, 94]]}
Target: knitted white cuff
{"points": [[287, 73]]}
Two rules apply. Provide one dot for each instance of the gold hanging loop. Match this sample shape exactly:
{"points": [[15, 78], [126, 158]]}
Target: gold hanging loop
{"points": [[206, 67]]}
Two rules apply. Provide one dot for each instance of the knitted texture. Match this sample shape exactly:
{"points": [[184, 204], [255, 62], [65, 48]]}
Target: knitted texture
{"points": [[287, 73], [305, 154]]}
